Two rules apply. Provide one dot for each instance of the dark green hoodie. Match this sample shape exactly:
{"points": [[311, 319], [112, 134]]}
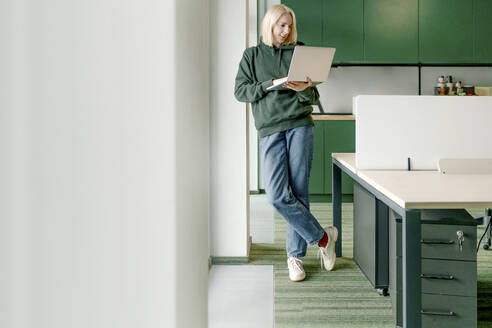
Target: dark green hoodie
{"points": [[277, 110]]}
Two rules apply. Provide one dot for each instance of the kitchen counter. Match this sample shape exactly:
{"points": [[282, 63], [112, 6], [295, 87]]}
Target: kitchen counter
{"points": [[333, 117]]}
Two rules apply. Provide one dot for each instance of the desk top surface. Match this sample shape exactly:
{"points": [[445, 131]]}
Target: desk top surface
{"points": [[425, 189]]}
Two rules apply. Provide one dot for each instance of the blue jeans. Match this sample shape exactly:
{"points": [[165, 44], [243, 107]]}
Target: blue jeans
{"points": [[286, 159]]}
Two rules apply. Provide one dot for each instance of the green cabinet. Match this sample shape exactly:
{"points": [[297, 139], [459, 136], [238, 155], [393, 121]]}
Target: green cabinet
{"points": [[330, 136], [398, 31], [446, 31], [331, 23], [339, 138], [309, 17], [343, 29], [391, 31], [316, 179], [483, 31]]}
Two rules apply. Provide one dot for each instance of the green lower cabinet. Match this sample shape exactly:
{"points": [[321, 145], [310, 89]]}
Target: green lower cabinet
{"points": [[330, 137], [316, 179], [339, 138]]}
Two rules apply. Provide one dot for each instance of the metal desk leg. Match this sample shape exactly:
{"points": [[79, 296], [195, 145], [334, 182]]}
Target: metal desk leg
{"points": [[337, 205], [411, 254], [486, 220]]}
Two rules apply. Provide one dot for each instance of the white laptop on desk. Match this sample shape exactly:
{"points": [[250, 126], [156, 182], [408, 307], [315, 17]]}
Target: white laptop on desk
{"points": [[312, 62]]}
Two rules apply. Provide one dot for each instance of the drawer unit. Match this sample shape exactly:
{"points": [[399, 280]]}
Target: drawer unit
{"points": [[448, 311], [439, 238], [449, 277], [441, 242], [448, 274], [394, 255], [395, 267]]}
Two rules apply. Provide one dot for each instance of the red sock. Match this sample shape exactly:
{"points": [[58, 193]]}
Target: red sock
{"points": [[323, 241]]}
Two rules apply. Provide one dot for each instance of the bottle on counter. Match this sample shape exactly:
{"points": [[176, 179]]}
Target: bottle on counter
{"points": [[450, 85], [459, 89], [440, 81], [440, 86], [469, 90]]}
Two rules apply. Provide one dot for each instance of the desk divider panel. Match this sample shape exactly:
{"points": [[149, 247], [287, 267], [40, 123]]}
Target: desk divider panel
{"points": [[391, 129]]}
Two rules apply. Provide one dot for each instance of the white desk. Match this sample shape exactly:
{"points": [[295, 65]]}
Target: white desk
{"points": [[425, 189], [406, 193]]}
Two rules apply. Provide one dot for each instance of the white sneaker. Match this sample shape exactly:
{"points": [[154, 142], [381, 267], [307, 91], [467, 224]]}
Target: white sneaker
{"points": [[296, 271], [327, 254]]}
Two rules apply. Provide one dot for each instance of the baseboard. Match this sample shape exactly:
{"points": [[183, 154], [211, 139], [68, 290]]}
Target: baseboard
{"points": [[212, 260], [229, 260]]}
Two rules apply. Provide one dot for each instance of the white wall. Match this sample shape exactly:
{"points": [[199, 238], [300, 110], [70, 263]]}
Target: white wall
{"points": [[229, 204], [101, 152], [348, 81]]}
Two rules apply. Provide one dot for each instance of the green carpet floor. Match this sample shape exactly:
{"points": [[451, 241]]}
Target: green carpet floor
{"points": [[343, 297]]}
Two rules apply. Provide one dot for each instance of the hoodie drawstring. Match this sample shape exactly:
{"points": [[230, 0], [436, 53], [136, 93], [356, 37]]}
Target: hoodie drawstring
{"points": [[279, 61]]}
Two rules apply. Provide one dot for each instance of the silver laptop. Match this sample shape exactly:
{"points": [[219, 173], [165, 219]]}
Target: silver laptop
{"points": [[312, 62]]}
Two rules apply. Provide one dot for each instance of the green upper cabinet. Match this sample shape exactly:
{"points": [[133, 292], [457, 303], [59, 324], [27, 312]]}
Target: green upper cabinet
{"points": [[398, 31], [343, 29], [309, 17], [446, 31], [391, 31], [483, 31]]}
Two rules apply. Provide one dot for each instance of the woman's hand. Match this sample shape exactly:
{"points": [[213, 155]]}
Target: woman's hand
{"points": [[298, 86]]}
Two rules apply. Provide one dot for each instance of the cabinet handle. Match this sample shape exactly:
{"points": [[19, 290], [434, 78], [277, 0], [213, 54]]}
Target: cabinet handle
{"points": [[437, 242], [436, 276], [448, 314]]}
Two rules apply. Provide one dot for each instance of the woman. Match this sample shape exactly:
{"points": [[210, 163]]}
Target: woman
{"points": [[285, 127]]}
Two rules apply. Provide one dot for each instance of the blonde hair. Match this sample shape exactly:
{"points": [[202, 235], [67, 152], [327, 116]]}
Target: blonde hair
{"points": [[271, 18]]}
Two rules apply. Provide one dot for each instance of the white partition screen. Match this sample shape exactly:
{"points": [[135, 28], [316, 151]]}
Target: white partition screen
{"points": [[391, 129]]}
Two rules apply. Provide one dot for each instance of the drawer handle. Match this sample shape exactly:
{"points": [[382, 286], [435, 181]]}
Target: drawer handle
{"points": [[436, 276], [437, 242], [448, 314]]}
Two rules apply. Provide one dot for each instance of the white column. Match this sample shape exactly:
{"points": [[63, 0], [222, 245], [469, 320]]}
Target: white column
{"points": [[253, 135], [192, 161], [6, 153], [229, 191]]}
